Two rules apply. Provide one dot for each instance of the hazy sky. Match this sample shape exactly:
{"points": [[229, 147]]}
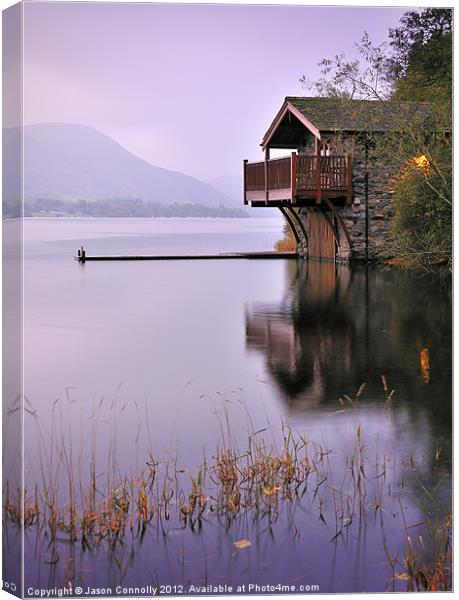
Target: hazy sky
{"points": [[187, 87]]}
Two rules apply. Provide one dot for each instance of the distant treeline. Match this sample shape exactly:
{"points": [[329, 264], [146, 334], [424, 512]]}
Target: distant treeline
{"points": [[119, 207]]}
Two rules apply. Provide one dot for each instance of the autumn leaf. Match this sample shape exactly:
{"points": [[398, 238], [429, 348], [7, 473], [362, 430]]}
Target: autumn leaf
{"points": [[271, 491], [240, 544]]}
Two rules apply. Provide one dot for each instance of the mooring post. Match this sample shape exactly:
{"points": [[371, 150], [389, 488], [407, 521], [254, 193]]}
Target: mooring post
{"points": [[82, 254], [245, 180]]}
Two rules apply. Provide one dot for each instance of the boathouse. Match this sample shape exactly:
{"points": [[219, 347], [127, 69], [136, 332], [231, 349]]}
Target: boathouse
{"points": [[335, 186]]}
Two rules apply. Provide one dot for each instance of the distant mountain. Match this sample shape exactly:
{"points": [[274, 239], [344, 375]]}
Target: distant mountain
{"points": [[70, 162], [229, 184]]}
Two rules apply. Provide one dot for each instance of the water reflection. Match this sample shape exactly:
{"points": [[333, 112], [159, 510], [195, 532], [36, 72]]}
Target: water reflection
{"points": [[337, 328], [329, 329], [307, 332]]}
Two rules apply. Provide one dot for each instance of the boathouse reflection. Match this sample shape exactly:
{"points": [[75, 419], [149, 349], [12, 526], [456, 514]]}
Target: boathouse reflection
{"points": [[309, 335], [338, 327]]}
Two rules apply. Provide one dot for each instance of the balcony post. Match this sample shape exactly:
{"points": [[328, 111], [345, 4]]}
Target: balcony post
{"points": [[293, 171], [349, 179], [266, 175], [244, 168], [318, 177]]}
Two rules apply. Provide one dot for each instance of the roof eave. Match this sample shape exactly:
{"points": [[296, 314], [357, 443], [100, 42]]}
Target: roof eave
{"points": [[288, 107]]}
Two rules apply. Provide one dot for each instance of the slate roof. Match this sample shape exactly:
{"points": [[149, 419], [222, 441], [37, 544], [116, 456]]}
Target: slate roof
{"points": [[338, 114]]}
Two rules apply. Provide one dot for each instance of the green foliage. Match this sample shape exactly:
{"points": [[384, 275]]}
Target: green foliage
{"points": [[125, 208], [422, 65], [415, 64], [421, 61], [422, 225]]}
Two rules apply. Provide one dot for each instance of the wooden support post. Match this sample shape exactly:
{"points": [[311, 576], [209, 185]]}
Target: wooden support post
{"points": [[318, 177], [339, 218], [366, 191], [266, 175], [291, 223], [297, 218], [330, 223], [349, 179], [244, 167], [293, 170], [82, 254]]}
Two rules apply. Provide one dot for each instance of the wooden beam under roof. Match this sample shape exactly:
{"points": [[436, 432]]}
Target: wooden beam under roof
{"points": [[285, 109]]}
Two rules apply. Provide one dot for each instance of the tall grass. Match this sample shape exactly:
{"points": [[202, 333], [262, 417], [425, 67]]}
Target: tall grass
{"points": [[95, 507]]}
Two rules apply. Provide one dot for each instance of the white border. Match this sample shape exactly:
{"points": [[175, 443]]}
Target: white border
{"points": [[356, 3]]}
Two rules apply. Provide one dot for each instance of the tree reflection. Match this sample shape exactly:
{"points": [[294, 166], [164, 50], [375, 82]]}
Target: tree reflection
{"points": [[338, 327]]}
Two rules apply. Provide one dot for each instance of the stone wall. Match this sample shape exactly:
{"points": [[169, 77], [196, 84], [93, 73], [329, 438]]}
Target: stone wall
{"points": [[380, 210]]}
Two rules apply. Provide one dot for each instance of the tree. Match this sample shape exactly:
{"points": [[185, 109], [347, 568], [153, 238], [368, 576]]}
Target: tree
{"points": [[421, 68], [421, 59], [414, 64], [366, 78]]}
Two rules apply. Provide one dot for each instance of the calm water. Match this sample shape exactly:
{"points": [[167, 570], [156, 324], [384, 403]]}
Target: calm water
{"points": [[168, 351]]}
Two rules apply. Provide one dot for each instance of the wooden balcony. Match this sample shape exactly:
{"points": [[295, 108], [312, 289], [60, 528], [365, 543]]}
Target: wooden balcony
{"points": [[297, 179]]}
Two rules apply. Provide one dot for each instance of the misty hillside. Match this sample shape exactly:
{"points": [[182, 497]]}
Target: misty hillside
{"points": [[230, 184], [71, 162]]}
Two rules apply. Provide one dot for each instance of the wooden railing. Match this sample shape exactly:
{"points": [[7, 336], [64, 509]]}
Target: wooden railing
{"points": [[333, 172], [306, 173], [254, 176], [298, 175], [333, 175], [279, 173]]}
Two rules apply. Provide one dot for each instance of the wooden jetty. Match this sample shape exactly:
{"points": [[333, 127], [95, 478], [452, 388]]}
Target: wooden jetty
{"points": [[83, 257]]}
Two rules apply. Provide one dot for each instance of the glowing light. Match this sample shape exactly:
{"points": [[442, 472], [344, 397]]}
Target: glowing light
{"points": [[421, 162], [425, 364], [415, 163]]}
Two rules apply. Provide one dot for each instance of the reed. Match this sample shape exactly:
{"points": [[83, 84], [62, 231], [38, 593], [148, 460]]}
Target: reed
{"points": [[260, 481]]}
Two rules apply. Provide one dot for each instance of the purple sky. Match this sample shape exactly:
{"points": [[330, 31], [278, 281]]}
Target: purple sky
{"points": [[186, 87]]}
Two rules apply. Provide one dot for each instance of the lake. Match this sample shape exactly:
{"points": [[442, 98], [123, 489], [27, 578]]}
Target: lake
{"points": [[129, 364]]}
